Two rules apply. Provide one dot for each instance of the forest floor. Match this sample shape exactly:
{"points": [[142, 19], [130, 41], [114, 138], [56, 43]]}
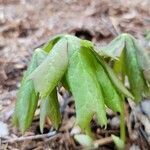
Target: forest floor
{"points": [[26, 25]]}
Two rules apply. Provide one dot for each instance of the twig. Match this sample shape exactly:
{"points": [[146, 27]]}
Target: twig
{"points": [[103, 141], [50, 135]]}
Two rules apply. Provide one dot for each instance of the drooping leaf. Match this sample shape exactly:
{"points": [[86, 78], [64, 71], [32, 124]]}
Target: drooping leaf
{"points": [[132, 61], [50, 44], [86, 90], [73, 46], [111, 97], [143, 57], [117, 83], [49, 107], [27, 97], [52, 69], [135, 75]]}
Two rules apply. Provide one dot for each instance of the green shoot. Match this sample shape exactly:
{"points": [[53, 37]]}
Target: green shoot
{"points": [[80, 67]]}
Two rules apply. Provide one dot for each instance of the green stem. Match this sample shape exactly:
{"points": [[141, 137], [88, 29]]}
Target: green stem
{"points": [[122, 116], [122, 123]]}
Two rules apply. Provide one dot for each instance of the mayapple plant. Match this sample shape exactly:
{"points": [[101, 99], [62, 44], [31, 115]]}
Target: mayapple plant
{"points": [[129, 59], [132, 61], [81, 68]]}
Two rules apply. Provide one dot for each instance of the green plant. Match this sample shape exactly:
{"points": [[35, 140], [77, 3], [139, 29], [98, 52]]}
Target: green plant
{"points": [[132, 61], [129, 59], [81, 68]]}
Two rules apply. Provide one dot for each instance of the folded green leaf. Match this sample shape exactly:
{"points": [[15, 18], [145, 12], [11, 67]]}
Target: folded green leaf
{"points": [[117, 83], [27, 97], [73, 47], [86, 90], [132, 61], [49, 107], [143, 57], [135, 75], [50, 72], [111, 97]]}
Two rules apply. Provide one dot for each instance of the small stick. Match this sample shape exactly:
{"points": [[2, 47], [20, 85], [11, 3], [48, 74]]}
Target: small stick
{"points": [[103, 141], [50, 135]]}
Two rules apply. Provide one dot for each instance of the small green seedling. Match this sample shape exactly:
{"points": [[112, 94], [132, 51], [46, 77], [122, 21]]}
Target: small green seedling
{"points": [[81, 68]]}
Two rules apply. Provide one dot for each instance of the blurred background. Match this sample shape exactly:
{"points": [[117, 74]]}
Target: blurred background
{"points": [[27, 24]]}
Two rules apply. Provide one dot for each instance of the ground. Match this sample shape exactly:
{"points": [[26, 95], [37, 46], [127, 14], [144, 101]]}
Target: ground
{"points": [[27, 24]]}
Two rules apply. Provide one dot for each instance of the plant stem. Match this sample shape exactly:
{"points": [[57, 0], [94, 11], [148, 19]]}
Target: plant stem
{"points": [[122, 116], [122, 123]]}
